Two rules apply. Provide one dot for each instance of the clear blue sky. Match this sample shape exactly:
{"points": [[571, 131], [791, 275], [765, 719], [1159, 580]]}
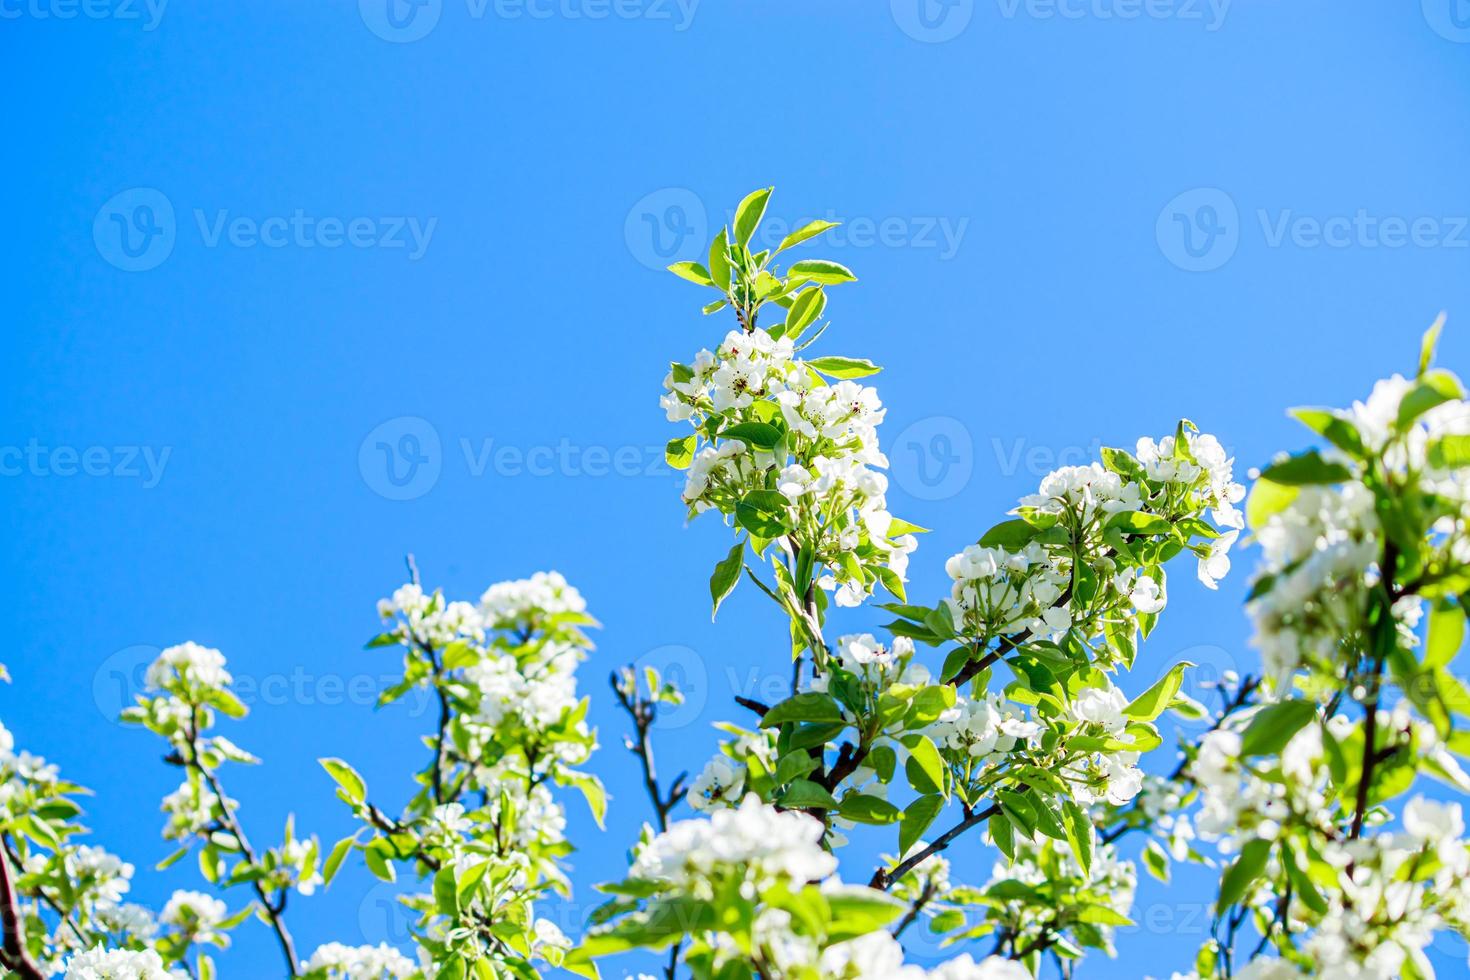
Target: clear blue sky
{"points": [[1074, 223]]}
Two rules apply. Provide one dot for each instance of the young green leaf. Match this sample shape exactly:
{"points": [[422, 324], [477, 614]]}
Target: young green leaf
{"points": [[692, 271], [844, 368], [726, 576], [806, 232], [749, 213], [822, 271]]}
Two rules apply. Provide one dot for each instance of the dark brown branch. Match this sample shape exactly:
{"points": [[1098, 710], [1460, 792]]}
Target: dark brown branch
{"points": [[754, 705], [1382, 638], [883, 879], [925, 897], [16, 958]]}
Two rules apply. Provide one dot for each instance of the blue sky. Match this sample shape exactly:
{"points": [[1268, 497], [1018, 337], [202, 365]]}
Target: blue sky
{"points": [[437, 228]]}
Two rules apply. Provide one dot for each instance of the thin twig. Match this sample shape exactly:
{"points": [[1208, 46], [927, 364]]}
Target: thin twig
{"points": [[274, 910], [642, 711], [882, 879]]}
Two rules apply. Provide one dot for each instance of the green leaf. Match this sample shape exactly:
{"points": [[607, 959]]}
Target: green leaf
{"points": [[1428, 343], [807, 231], [719, 261], [726, 576], [925, 767], [660, 925], [749, 213], [761, 435], [1239, 876], [764, 513], [821, 270], [857, 911], [1003, 835], [1012, 535], [899, 526], [1153, 702], [929, 704], [446, 892], [1336, 430], [1267, 499], [593, 792], [1139, 522], [1306, 469], [954, 662], [805, 794], [1123, 463], [805, 310], [1047, 820], [867, 809], [1079, 834], [692, 271], [347, 778], [1102, 915], [794, 765], [1449, 452], [1446, 634], [1274, 725], [334, 860], [811, 706], [679, 453], [1435, 387], [844, 367], [377, 862], [1156, 861], [917, 818]]}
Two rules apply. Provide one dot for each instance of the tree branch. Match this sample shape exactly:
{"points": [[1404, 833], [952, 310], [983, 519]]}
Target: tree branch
{"points": [[883, 879], [274, 910], [16, 958], [642, 712]]}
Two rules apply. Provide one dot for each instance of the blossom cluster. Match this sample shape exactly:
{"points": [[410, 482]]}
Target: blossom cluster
{"points": [[1114, 520], [753, 841], [334, 961], [772, 423]]}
